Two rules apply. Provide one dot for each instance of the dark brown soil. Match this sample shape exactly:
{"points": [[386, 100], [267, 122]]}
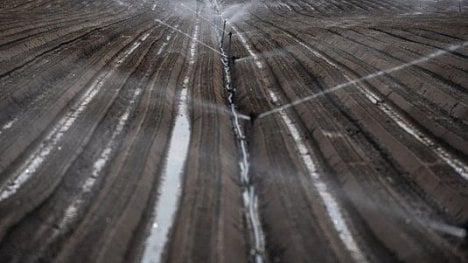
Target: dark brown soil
{"points": [[390, 145]]}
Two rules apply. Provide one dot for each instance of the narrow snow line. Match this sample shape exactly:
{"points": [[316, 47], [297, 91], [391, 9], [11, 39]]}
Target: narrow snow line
{"points": [[328, 200], [258, 63], [309, 5], [119, 61], [171, 179], [166, 42], [368, 77], [420, 136], [451, 160], [53, 139], [187, 35], [98, 165], [280, 5], [104, 157], [8, 125]]}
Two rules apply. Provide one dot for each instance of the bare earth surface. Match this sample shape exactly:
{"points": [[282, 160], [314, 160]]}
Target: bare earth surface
{"points": [[324, 131]]}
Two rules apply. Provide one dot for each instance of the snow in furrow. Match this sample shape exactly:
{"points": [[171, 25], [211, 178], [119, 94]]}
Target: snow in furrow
{"points": [[53, 139], [171, 179], [166, 41], [393, 114], [99, 164], [328, 200], [8, 125]]}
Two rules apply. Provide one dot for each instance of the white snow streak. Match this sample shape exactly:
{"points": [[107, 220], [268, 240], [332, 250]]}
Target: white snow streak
{"points": [[328, 200], [171, 179], [53, 139], [401, 121], [8, 125]]}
